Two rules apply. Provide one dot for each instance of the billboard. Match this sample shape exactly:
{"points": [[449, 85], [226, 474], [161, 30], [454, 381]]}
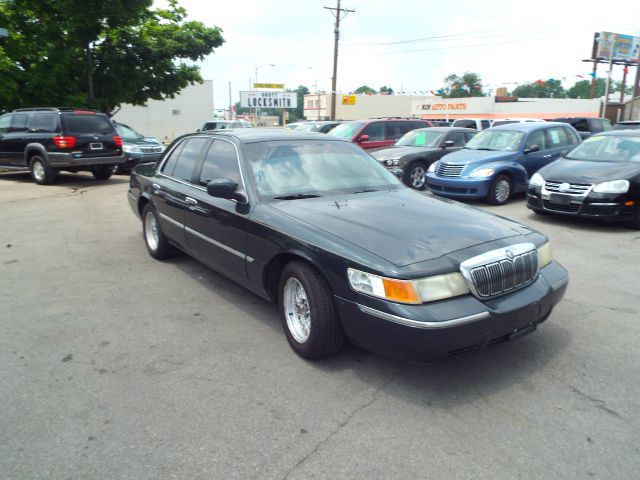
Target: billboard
{"points": [[269, 99], [348, 99], [619, 47]]}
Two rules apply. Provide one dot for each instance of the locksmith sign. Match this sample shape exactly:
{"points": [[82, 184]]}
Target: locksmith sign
{"points": [[269, 99]]}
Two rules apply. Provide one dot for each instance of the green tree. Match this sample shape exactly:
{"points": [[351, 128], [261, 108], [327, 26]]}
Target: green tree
{"points": [[98, 54], [301, 91], [468, 85], [386, 90], [541, 89], [365, 89]]}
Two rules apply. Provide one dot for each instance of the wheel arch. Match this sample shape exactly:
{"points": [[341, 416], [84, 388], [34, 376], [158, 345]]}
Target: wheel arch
{"points": [[33, 149], [273, 270]]}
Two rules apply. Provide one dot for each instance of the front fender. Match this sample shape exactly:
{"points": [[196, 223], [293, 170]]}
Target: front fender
{"points": [[513, 169]]}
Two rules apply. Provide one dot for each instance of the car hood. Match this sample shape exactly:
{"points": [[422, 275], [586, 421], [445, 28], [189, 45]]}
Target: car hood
{"points": [[467, 156], [401, 226], [583, 171], [146, 141], [397, 152]]}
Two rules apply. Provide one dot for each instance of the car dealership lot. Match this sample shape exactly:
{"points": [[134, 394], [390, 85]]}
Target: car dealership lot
{"points": [[120, 366]]}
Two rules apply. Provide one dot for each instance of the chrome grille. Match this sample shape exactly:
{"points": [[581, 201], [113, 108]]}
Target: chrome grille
{"points": [[151, 149], [449, 169], [574, 188], [500, 271]]}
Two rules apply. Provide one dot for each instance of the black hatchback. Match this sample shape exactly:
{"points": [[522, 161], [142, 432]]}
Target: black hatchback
{"points": [[49, 140], [600, 178]]}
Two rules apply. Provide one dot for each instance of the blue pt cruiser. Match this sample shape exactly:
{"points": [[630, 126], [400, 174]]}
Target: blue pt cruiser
{"points": [[498, 162]]}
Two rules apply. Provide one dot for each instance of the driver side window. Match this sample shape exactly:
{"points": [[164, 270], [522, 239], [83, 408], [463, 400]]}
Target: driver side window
{"points": [[221, 162], [375, 131], [536, 138]]}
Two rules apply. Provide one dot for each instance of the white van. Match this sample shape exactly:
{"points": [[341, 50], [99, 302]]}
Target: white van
{"points": [[475, 123]]}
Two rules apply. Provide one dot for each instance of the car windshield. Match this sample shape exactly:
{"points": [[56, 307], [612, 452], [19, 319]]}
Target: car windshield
{"points": [[314, 168], [307, 127], [420, 138], [607, 148], [500, 140], [346, 130], [128, 133]]}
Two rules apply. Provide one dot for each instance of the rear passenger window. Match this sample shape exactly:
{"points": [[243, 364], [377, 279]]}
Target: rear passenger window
{"points": [[581, 125], [485, 124], [221, 162], [395, 130], [44, 122], [465, 124], [188, 157], [557, 137]]}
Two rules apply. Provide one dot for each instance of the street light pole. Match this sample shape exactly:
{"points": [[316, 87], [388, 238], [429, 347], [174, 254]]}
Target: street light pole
{"points": [[256, 77]]}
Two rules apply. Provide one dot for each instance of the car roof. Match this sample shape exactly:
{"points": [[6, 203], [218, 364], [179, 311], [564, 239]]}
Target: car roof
{"points": [[632, 132], [444, 129], [251, 135], [528, 126]]}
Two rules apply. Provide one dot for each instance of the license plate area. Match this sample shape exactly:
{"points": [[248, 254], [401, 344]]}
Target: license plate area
{"points": [[560, 199], [96, 146]]}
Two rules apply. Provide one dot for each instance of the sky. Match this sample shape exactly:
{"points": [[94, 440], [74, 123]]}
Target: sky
{"points": [[408, 45]]}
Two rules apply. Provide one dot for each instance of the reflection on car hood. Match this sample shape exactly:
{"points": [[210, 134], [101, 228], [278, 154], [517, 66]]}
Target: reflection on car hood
{"points": [[466, 156], [397, 152], [147, 141], [586, 172], [401, 226]]}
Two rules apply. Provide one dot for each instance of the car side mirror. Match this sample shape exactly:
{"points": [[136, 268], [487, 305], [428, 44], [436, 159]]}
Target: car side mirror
{"points": [[225, 188], [363, 138], [448, 143], [531, 149]]}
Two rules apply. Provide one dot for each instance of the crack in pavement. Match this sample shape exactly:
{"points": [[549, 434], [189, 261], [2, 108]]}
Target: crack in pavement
{"points": [[75, 191], [342, 424], [596, 401]]}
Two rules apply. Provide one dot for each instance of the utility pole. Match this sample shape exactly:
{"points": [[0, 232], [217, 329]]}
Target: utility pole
{"points": [[339, 16]]}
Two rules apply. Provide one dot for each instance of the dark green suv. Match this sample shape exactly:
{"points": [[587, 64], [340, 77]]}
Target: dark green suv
{"points": [[49, 140]]}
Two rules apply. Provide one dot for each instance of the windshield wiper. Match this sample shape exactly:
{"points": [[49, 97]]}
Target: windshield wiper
{"points": [[296, 196], [366, 190]]}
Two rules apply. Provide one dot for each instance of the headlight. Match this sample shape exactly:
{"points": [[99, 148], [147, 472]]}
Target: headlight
{"points": [[417, 291], [544, 254], [483, 172], [131, 148], [614, 186], [432, 167], [536, 180], [392, 162]]}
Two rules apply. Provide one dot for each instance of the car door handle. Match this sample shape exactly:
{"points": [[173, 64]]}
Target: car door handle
{"points": [[547, 156], [192, 202]]}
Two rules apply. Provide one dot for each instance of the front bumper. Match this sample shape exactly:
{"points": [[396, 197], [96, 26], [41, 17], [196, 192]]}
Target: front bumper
{"points": [[67, 160], [454, 326], [459, 187], [607, 207], [133, 159]]}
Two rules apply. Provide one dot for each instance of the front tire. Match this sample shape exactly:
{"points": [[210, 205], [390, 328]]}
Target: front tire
{"points": [[157, 243], [500, 190], [102, 173], [308, 313], [416, 175], [41, 172]]}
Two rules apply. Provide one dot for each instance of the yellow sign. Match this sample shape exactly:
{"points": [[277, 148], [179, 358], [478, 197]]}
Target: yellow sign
{"points": [[269, 85], [348, 99]]}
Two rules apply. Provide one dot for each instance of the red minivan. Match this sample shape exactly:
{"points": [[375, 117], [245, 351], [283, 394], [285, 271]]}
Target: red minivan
{"points": [[377, 132]]}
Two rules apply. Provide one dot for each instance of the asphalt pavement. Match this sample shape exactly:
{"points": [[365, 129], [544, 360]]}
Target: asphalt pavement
{"points": [[118, 366]]}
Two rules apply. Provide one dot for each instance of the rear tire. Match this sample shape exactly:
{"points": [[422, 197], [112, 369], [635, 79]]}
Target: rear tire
{"points": [[157, 243], [416, 175], [102, 173], [500, 190], [309, 316], [41, 172]]}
